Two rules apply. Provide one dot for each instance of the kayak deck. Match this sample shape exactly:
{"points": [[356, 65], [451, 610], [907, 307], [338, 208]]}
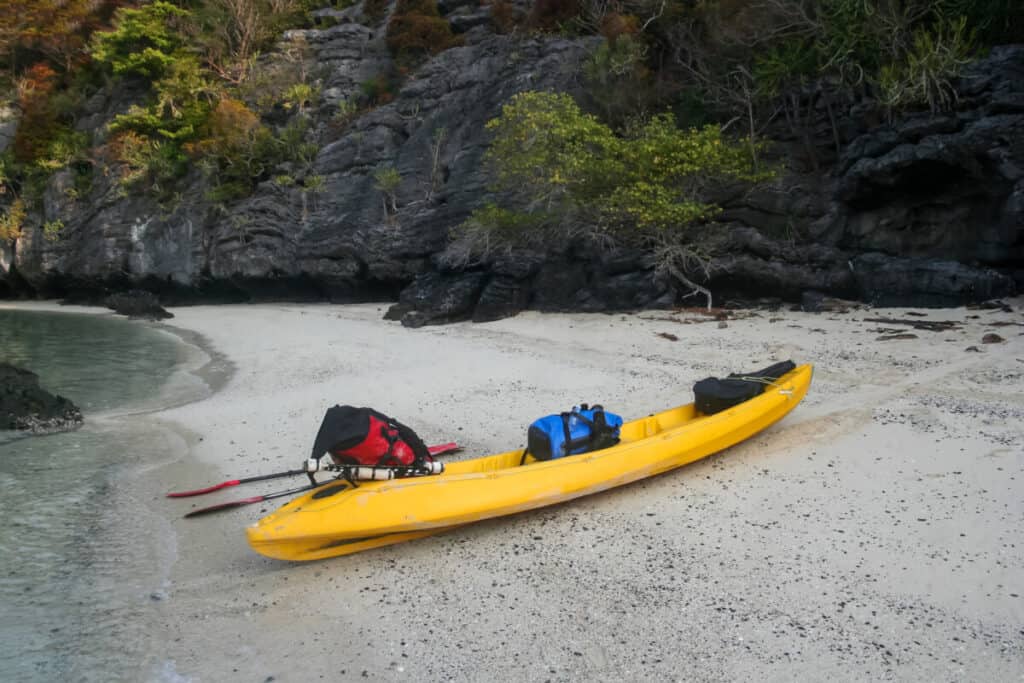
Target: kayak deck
{"points": [[338, 519]]}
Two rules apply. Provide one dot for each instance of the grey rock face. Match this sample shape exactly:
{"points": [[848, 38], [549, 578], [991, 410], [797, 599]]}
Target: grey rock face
{"points": [[6, 259], [931, 206], [886, 280]]}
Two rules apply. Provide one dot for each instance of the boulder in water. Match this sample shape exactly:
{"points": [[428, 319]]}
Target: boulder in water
{"points": [[24, 405]]}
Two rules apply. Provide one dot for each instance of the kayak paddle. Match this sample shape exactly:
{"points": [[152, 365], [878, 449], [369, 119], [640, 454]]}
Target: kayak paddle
{"points": [[246, 501], [350, 475], [439, 449]]}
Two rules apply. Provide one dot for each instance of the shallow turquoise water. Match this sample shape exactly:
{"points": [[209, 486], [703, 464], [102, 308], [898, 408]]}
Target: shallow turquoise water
{"points": [[83, 559]]}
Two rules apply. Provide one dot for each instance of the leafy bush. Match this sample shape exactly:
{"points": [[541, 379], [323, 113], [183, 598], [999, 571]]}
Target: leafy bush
{"points": [[52, 230], [504, 16], [300, 96], [566, 173], [618, 78], [12, 221], [147, 163], [552, 15], [236, 150], [181, 103], [925, 76], [38, 117], [144, 40], [565, 167], [416, 31], [387, 180], [379, 90]]}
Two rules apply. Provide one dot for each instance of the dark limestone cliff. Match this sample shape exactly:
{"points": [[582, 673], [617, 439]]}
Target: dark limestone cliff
{"points": [[926, 210]]}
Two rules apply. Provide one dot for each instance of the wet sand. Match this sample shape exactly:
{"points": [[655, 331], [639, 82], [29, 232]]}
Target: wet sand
{"points": [[872, 534]]}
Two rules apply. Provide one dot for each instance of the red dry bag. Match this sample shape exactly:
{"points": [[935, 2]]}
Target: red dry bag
{"points": [[362, 436]]}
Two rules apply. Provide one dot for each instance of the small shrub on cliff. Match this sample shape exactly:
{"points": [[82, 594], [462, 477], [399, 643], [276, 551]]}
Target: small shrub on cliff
{"points": [[504, 16], [12, 221], [52, 230], [552, 15], [236, 150], [387, 180], [181, 103], [38, 116], [144, 40], [619, 80], [380, 89], [146, 163], [416, 31], [924, 77]]}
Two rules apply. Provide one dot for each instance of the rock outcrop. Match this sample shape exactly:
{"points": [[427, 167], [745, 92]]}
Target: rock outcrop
{"points": [[928, 209], [26, 406], [137, 303]]}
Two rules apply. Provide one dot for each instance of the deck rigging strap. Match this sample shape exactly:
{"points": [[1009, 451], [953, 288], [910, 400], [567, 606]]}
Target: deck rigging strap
{"points": [[355, 473]]}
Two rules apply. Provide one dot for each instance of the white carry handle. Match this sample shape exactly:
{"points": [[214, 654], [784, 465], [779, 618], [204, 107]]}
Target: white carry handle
{"points": [[372, 473], [389, 473]]}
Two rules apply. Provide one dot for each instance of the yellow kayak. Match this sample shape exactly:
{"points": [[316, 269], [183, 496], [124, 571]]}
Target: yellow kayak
{"points": [[339, 519]]}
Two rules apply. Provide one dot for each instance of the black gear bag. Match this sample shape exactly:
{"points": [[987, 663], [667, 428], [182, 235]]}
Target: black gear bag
{"points": [[714, 395]]}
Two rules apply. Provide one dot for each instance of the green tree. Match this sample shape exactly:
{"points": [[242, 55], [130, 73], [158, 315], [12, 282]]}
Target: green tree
{"points": [[568, 173], [144, 41]]}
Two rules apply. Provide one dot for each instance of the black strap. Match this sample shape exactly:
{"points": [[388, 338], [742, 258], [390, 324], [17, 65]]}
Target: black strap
{"points": [[568, 435], [419, 449]]}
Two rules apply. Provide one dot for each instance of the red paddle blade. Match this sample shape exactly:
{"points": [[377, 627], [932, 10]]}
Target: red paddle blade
{"points": [[225, 506], [208, 489], [439, 449], [442, 448]]}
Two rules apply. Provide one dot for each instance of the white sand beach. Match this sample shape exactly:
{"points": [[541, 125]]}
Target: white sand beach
{"points": [[874, 534]]}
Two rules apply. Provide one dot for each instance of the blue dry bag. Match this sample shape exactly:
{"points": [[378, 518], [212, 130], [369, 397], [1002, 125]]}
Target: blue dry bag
{"points": [[578, 431]]}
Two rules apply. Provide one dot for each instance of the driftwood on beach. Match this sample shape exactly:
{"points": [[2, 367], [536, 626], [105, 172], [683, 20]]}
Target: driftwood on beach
{"points": [[929, 325]]}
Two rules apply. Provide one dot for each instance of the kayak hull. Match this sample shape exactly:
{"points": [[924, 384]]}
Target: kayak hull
{"points": [[337, 519]]}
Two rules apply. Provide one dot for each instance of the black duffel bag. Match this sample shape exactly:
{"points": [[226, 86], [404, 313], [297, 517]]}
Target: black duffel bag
{"points": [[714, 395]]}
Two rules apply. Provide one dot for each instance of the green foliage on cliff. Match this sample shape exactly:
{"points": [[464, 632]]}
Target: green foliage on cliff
{"points": [[144, 41], [193, 54], [11, 221], [567, 170], [752, 59], [416, 31], [193, 116]]}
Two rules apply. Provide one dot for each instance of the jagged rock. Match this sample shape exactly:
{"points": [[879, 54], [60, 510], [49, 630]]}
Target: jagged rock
{"points": [[26, 406], [502, 297], [433, 298], [942, 186], [557, 286], [6, 258], [893, 281], [137, 303], [465, 19]]}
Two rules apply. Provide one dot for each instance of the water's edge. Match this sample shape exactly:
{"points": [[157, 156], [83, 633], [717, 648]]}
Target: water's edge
{"points": [[132, 549]]}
